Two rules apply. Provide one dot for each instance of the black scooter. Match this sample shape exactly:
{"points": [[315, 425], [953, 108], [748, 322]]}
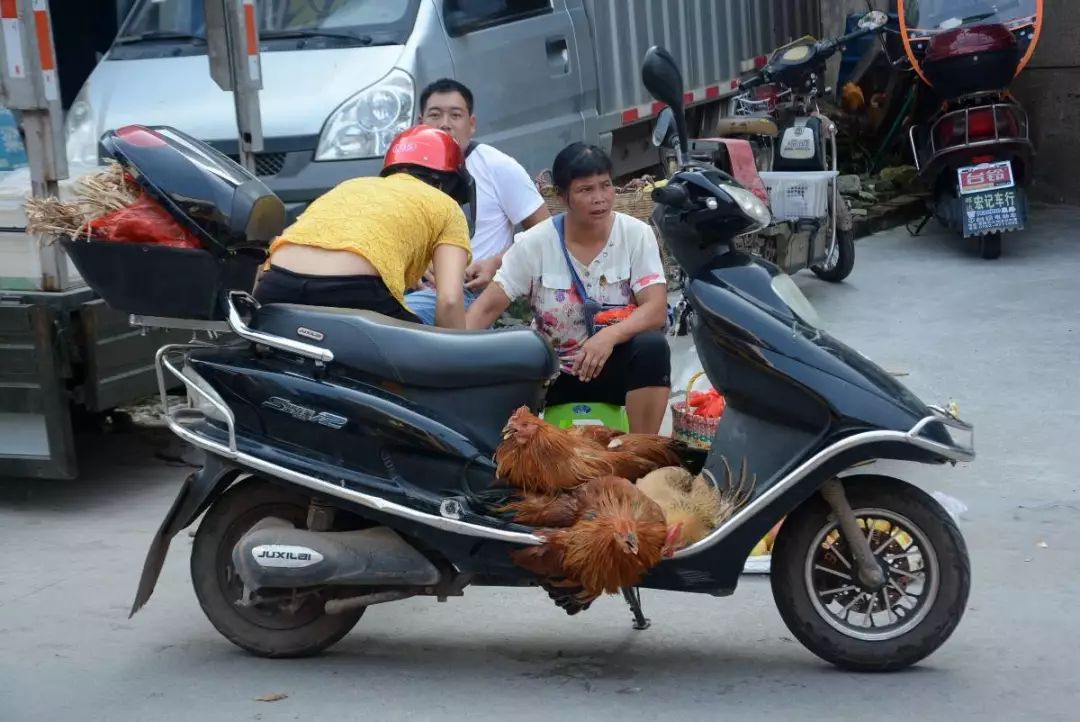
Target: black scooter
{"points": [[348, 455]]}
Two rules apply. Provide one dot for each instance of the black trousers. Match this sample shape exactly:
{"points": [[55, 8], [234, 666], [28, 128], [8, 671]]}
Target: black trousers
{"points": [[641, 362], [364, 293]]}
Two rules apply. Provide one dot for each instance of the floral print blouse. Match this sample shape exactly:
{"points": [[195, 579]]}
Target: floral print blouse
{"points": [[535, 267]]}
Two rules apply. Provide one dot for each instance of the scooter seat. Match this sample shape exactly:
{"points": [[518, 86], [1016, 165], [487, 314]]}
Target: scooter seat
{"points": [[413, 354], [747, 125]]}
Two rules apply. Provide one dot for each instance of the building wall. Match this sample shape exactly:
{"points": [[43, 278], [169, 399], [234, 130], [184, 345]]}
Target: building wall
{"points": [[1050, 91]]}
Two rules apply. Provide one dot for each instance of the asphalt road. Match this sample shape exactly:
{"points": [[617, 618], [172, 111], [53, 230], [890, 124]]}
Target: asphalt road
{"points": [[1001, 338]]}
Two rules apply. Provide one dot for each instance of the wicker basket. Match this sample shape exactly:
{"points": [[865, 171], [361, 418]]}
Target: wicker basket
{"points": [[695, 431], [636, 202]]}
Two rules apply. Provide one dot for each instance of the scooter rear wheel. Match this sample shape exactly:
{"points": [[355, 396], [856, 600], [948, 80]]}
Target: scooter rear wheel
{"points": [[293, 624], [925, 562]]}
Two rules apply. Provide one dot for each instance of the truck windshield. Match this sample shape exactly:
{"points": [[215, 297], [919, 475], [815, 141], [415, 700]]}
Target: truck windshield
{"points": [[950, 14], [156, 27]]}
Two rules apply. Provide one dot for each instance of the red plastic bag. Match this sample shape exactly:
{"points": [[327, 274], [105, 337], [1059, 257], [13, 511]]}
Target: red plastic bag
{"points": [[614, 315], [144, 221]]}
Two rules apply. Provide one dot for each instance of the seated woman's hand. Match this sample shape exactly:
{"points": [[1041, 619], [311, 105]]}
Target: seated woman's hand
{"points": [[593, 354]]}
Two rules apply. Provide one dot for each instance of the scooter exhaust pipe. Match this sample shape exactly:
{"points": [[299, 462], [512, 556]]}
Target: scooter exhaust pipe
{"points": [[339, 606], [283, 557]]}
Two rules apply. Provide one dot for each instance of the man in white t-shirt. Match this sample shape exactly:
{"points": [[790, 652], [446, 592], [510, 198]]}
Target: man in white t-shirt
{"points": [[505, 194]]}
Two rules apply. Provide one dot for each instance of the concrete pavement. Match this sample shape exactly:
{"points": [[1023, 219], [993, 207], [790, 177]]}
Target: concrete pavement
{"points": [[1002, 338]]}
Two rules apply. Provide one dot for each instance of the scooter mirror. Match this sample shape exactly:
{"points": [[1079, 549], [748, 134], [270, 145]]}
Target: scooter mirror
{"points": [[661, 76], [873, 20], [665, 127]]}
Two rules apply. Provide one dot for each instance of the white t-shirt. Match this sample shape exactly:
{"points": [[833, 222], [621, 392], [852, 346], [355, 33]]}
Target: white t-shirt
{"points": [[505, 196], [536, 268]]}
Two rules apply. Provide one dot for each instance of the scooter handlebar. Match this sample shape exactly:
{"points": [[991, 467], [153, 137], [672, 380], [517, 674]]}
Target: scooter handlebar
{"points": [[673, 194]]}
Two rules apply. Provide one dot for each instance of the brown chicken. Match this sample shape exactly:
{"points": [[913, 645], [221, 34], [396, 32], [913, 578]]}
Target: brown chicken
{"points": [[545, 510], [603, 435], [535, 456], [635, 455], [694, 506], [618, 535]]}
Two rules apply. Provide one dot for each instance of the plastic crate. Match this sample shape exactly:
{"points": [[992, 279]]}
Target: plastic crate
{"points": [[795, 195]]}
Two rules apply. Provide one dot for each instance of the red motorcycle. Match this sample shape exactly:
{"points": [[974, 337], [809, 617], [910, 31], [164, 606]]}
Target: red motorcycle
{"points": [[974, 152]]}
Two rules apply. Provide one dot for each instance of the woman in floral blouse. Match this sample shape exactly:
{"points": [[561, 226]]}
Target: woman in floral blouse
{"points": [[617, 262]]}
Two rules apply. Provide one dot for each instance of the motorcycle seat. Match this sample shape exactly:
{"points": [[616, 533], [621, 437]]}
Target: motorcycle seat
{"points": [[748, 125], [413, 354]]}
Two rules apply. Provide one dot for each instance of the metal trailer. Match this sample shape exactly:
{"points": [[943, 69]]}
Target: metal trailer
{"points": [[63, 352], [714, 41]]}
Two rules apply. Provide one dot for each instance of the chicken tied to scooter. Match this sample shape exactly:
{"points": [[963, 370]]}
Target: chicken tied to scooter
{"points": [[608, 505]]}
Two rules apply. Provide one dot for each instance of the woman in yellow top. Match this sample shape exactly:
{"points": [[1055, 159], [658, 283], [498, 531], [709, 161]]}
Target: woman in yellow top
{"points": [[361, 244]]}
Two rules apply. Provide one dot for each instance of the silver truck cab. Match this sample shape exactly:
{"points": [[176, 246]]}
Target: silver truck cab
{"points": [[340, 80], [342, 77]]}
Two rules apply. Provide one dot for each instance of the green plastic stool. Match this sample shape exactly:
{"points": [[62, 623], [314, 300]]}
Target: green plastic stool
{"points": [[566, 415]]}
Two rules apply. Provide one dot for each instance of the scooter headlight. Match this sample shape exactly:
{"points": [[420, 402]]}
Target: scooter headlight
{"points": [[799, 304], [750, 204]]}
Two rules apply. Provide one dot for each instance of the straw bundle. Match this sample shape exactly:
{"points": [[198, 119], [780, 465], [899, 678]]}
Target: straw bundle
{"points": [[95, 196]]}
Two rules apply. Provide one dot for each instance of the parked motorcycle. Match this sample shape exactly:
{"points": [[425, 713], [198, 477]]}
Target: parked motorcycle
{"points": [[348, 454], [974, 152], [794, 149]]}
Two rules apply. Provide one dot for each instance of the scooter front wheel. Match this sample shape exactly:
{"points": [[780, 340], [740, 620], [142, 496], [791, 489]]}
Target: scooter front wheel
{"points": [[287, 623], [921, 554]]}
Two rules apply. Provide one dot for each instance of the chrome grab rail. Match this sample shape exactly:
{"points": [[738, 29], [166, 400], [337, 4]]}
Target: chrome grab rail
{"points": [[1023, 124], [241, 329], [162, 364]]}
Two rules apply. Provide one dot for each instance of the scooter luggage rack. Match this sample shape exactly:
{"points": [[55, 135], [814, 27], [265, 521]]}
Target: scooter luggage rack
{"points": [[180, 419], [935, 153]]}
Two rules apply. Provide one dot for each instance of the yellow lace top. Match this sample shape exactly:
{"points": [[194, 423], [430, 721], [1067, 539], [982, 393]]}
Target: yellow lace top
{"points": [[394, 222]]}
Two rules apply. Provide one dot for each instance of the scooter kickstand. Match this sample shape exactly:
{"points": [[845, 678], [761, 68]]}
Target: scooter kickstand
{"points": [[922, 225], [633, 598]]}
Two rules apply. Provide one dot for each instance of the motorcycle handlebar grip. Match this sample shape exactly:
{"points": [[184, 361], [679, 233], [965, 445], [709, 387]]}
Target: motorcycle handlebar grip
{"points": [[673, 194]]}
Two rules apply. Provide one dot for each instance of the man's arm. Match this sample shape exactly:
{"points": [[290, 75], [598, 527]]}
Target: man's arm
{"points": [[479, 274], [540, 214], [487, 308]]}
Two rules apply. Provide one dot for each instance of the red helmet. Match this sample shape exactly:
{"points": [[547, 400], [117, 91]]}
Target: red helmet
{"points": [[423, 146], [427, 147]]}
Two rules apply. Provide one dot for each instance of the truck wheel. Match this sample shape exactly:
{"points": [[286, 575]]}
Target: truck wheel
{"points": [[291, 623], [921, 552], [990, 246]]}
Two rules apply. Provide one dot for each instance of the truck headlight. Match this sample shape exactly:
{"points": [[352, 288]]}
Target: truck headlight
{"points": [[364, 125], [81, 138]]}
